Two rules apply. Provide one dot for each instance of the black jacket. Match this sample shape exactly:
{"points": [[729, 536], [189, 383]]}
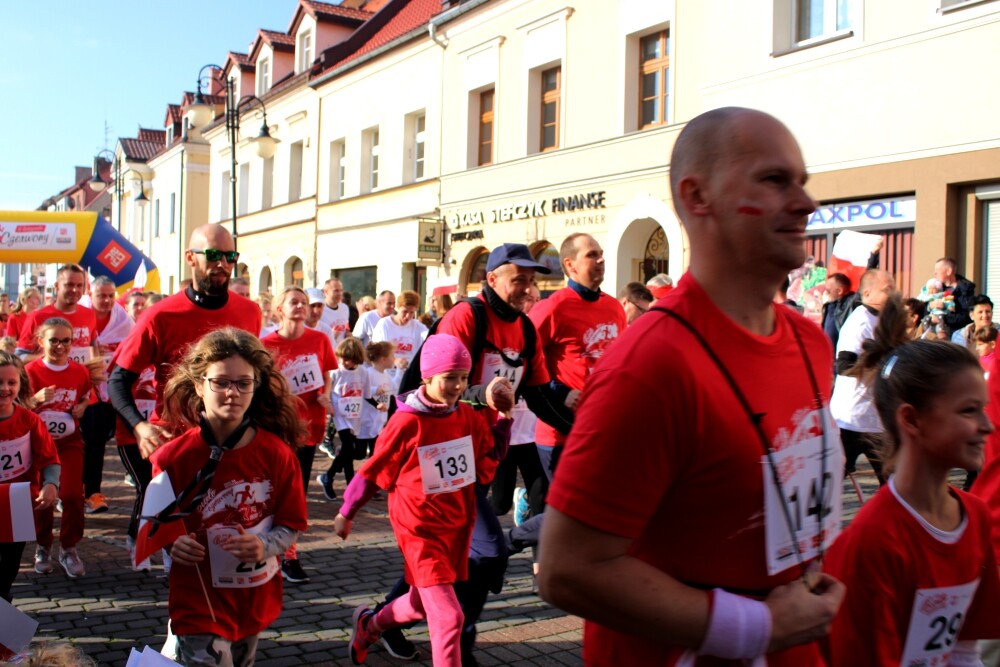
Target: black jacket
{"points": [[963, 293]]}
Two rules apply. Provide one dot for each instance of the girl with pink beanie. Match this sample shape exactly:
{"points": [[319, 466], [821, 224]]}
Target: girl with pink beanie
{"points": [[431, 452]]}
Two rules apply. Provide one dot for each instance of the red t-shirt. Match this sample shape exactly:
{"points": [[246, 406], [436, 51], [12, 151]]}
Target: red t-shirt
{"points": [[165, 332], [15, 322], [305, 362], [658, 418], [84, 324], [72, 385], [987, 486], [144, 393], [908, 590], [574, 334], [25, 449], [257, 484], [433, 530]]}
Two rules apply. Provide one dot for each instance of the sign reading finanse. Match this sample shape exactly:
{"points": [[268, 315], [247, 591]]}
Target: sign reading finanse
{"points": [[528, 209]]}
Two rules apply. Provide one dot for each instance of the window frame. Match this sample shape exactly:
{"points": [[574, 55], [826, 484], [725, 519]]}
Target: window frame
{"points": [[830, 27], [304, 51], [484, 118], [419, 147], [173, 212], [549, 97], [373, 158], [263, 74], [661, 67]]}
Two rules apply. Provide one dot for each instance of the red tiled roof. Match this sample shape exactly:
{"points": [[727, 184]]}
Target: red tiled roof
{"points": [[414, 14], [174, 114], [279, 41], [148, 144], [146, 134], [326, 10]]}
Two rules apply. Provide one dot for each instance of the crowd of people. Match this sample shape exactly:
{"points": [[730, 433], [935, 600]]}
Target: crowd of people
{"points": [[723, 420]]}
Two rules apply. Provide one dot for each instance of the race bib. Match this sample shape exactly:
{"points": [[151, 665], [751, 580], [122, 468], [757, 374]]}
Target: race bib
{"points": [[303, 374], [350, 407], [936, 620], [228, 571], [81, 355], [494, 366], [60, 424], [800, 468], [145, 406], [15, 457], [447, 466]]}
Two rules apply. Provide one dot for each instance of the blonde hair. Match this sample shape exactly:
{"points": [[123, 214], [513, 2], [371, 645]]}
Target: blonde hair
{"points": [[53, 654], [22, 299], [368, 303], [279, 301]]}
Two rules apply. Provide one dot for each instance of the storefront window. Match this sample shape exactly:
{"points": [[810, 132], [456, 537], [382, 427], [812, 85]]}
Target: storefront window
{"points": [[358, 281]]}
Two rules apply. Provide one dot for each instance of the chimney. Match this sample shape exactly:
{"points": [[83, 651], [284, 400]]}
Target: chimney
{"points": [[82, 173]]}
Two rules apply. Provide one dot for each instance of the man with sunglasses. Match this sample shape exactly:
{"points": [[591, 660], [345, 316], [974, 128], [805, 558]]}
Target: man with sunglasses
{"points": [[164, 333]]}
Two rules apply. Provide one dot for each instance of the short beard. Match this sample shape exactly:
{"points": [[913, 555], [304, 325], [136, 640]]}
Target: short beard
{"points": [[204, 284]]}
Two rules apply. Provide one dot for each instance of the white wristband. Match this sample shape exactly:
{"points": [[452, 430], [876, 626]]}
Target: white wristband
{"points": [[738, 627]]}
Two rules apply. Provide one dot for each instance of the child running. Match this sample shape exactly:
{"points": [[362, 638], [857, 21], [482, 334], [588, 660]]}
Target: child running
{"points": [[27, 454], [429, 455], [921, 577], [305, 357], [381, 388], [239, 495], [349, 392], [62, 389]]}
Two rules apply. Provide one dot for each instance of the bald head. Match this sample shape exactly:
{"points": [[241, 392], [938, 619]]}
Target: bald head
{"points": [[212, 235], [702, 143], [875, 287]]}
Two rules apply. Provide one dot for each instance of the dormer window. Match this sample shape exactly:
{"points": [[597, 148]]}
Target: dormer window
{"points": [[170, 135], [263, 76], [305, 51]]}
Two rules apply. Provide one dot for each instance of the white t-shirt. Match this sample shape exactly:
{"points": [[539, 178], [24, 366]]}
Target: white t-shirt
{"points": [[348, 392], [381, 387], [334, 323], [852, 405], [407, 338], [365, 325]]}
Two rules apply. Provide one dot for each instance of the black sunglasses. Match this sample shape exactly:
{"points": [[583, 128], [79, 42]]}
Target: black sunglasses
{"points": [[214, 254]]}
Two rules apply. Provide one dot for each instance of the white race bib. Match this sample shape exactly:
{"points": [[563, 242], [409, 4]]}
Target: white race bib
{"points": [[494, 366], [303, 374], [81, 355], [936, 620], [800, 469], [145, 406], [447, 466], [15, 457], [60, 424], [228, 571], [350, 407]]}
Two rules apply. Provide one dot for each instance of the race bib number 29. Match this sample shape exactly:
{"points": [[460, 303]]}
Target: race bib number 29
{"points": [[936, 620]]}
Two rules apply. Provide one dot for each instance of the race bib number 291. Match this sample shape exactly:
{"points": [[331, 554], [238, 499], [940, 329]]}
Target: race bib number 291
{"points": [[936, 620]]}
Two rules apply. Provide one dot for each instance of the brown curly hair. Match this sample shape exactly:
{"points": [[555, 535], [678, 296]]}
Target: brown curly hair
{"points": [[273, 407]]}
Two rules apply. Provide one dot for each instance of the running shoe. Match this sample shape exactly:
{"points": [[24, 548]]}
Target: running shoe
{"points": [[143, 566], [399, 646], [95, 504], [43, 560], [291, 571], [327, 448], [327, 484], [521, 509], [130, 480], [70, 561], [361, 638]]}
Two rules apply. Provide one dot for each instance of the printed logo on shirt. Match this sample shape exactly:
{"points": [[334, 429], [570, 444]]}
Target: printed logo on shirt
{"points": [[240, 498], [597, 339], [81, 337], [62, 400]]}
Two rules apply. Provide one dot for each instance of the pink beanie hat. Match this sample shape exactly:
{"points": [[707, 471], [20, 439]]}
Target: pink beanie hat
{"points": [[442, 353]]}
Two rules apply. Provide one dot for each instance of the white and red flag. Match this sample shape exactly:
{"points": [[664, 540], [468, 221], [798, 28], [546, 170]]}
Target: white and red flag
{"points": [[851, 252], [16, 630], [159, 494], [17, 519]]}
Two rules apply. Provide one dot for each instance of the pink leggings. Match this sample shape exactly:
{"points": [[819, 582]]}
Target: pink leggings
{"points": [[439, 605]]}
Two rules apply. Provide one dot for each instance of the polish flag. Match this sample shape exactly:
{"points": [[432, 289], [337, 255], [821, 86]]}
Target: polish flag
{"points": [[16, 629], [850, 255], [159, 494], [17, 518]]}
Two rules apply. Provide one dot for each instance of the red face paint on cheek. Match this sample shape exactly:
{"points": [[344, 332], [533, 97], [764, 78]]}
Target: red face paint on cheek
{"points": [[749, 210]]}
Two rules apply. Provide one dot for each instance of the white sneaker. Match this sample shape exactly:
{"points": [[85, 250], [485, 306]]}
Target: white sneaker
{"points": [[70, 561], [143, 566], [43, 560]]}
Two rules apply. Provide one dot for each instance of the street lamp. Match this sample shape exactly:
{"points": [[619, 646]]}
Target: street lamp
{"points": [[97, 183], [200, 114]]}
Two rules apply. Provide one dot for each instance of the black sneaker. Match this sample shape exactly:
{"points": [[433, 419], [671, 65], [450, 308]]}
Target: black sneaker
{"points": [[327, 484], [291, 571], [399, 646]]}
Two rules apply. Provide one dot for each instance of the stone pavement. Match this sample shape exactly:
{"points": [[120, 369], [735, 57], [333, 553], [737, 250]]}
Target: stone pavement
{"points": [[112, 609]]}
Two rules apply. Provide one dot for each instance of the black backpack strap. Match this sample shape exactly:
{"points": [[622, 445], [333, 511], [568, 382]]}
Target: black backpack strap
{"points": [[530, 346]]}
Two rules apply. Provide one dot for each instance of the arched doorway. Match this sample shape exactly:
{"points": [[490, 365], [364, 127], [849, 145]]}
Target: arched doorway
{"points": [[548, 255], [243, 271], [264, 283], [656, 258], [294, 276], [644, 237], [475, 273]]}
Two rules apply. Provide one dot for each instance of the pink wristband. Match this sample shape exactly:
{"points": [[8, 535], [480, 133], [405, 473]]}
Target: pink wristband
{"points": [[738, 627]]}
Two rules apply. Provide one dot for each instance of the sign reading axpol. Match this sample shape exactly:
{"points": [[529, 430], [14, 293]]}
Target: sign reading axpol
{"points": [[864, 213], [528, 209]]}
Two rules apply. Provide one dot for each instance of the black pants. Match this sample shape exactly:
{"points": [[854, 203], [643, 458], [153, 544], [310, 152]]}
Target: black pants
{"points": [[305, 455], [97, 426], [10, 562], [364, 447], [345, 459], [142, 472], [523, 458], [861, 443]]}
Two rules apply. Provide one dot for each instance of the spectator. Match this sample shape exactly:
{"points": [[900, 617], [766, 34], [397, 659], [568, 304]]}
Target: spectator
{"points": [[982, 318], [636, 299], [916, 313], [781, 296], [986, 343], [659, 285], [839, 304], [240, 286], [961, 290]]}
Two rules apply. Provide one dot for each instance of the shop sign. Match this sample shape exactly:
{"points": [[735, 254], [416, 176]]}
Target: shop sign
{"points": [[523, 210], [864, 213], [429, 245]]}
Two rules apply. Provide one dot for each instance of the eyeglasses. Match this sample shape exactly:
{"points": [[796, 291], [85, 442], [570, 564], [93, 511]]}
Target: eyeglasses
{"points": [[215, 255], [60, 341], [222, 385], [641, 309]]}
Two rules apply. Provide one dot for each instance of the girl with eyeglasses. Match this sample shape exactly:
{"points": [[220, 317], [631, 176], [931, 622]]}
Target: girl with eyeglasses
{"points": [[238, 493], [62, 389]]}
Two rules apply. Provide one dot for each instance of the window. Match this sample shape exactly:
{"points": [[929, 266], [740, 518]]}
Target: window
{"points": [[295, 172], [267, 184], [486, 101], [419, 146], [263, 76], [551, 83], [338, 169], [173, 209], [225, 207], [654, 66], [170, 135], [371, 146], [156, 219], [305, 51], [244, 186], [819, 18]]}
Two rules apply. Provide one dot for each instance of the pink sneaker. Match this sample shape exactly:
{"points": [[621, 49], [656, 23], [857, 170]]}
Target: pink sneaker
{"points": [[361, 637]]}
